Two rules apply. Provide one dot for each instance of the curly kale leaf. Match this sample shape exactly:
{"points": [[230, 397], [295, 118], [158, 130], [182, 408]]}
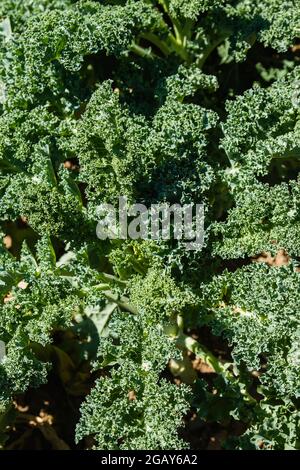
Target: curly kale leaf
{"points": [[256, 309], [120, 152], [262, 125], [264, 219], [134, 407]]}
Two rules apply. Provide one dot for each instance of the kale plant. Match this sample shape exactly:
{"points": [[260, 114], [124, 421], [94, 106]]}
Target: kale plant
{"points": [[178, 101]]}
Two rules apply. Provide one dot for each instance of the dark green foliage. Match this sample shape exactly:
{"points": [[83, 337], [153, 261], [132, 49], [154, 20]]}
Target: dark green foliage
{"points": [[101, 99]]}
